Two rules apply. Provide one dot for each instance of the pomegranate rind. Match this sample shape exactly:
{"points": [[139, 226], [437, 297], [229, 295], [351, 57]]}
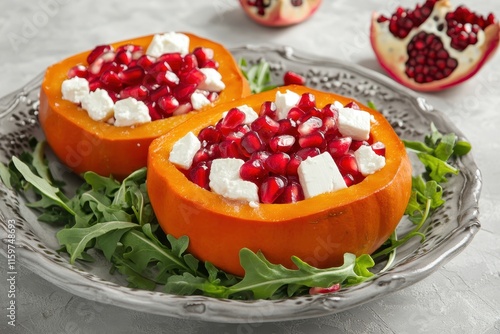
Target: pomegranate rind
{"points": [[87, 145], [392, 55], [318, 230], [281, 13]]}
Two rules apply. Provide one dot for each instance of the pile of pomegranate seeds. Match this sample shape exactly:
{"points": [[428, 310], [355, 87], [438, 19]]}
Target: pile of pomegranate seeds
{"points": [[165, 84], [273, 148]]}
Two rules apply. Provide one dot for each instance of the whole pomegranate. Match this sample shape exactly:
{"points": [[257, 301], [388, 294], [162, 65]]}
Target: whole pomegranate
{"points": [[433, 46], [279, 13]]}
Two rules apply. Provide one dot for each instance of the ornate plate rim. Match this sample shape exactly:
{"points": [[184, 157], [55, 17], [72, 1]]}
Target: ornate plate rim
{"points": [[83, 284]]}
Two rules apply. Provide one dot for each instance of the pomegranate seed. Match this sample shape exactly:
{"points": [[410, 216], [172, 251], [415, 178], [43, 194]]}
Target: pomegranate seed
{"points": [[338, 147], [159, 67], [200, 175], [260, 155], [251, 142], [78, 71], [287, 127], [253, 170], [329, 125], [211, 63], [132, 75], [272, 188], [174, 60], [281, 143], [315, 139], [153, 112], [307, 102], [95, 67], [195, 77], [235, 136], [98, 52], [212, 96], [265, 126], [229, 149], [145, 62], [309, 126], [168, 78], [308, 152], [159, 92], [268, 108], [357, 144], [379, 148], [200, 155], [214, 151], [203, 55], [349, 180], [348, 165], [292, 78], [132, 48], [295, 113], [233, 119], [111, 80], [123, 57], [137, 92], [189, 62], [168, 103], [183, 108], [277, 162], [210, 135], [293, 165], [318, 290], [183, 91], [94, 84], [293, 193]]}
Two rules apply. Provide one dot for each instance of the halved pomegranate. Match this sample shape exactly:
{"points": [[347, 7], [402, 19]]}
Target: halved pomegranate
{"points": [[433, 46], [279, 13]]}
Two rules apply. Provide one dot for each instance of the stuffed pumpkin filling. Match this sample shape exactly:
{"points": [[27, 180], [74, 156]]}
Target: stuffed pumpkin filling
{"points": [[289, 150], [133, 85]]}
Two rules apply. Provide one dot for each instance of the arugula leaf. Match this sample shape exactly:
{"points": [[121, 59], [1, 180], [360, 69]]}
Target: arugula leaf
{"points": [[258, 75]]}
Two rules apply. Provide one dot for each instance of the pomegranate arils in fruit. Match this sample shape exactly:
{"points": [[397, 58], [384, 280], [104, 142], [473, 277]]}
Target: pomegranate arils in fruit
{"points": [[308, 152], [145, 62], [265, 126], [201, 155], [137, 92], [434, 46], [111, 80], [203, 55], [78, 71], [292, 78], [348, 165], [293, 165], [429, 60], [210, 135], [357, 144], [379, 148], [159, 92], [195, 76], [229, 149], [174, 60], [123, 57], [272, 188], [277, 162], [293, 193], [132, 75], [315, 139], [311, 125], [168, 103], [287, 127], [295, 113], [183, 91], [307, 102]]}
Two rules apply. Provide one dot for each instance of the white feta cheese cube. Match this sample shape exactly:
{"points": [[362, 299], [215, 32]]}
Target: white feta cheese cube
{"points": [[169, 42], [225, 180], [183, 151], [129, 112], [98, 105], [338, 105], [354, 123], [319, 175], [198, 100], [250, 114], [75, 89], [213, 80], [368, 161], [285, 102]]}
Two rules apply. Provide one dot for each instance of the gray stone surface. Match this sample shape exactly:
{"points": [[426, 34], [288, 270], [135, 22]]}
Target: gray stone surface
{"points": [[461, 297]]}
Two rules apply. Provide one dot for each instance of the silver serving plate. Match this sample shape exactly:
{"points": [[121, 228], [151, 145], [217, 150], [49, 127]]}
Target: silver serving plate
{"points": [[450, 229]]}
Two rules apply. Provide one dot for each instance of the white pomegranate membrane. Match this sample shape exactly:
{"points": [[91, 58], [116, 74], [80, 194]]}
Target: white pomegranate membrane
{"points": [[289, 151], [130, 85]]}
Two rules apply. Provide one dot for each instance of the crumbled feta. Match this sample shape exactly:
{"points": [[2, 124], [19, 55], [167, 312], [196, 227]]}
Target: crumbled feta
{"points": [[354, 123], [169, 42], [98, 105], [338, 105], [75, 89], [225, 180], [319, 175], [183, 151], [368, 161], [285, 102], [213, 80], [198, 100], [129, 112], [250, 114]]}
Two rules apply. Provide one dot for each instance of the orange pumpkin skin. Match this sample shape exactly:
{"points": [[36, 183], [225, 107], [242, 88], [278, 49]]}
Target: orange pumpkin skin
{"points": [[318, 230], [87, 145]]}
